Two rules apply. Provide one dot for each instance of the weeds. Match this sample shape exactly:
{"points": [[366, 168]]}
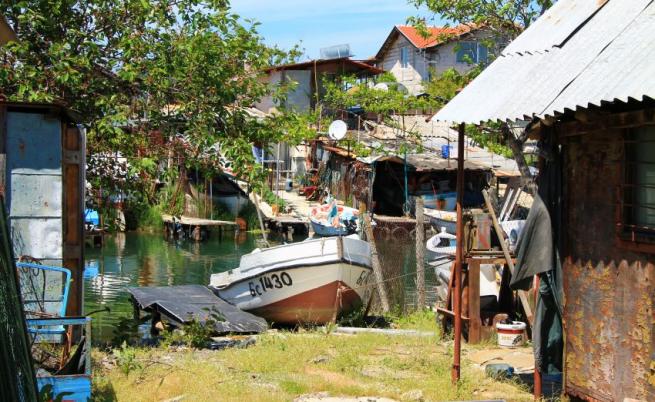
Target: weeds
{"points": [[195, 334], [126, 359]]}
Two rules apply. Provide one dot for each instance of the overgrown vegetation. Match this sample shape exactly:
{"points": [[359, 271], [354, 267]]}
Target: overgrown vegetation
{"points": [[283, 365]]}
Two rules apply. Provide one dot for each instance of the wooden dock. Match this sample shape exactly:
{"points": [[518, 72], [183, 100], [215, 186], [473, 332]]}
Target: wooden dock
{"points": [[194, 228], [296, 221]]}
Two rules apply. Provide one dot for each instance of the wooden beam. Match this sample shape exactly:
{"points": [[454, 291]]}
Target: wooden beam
{"points": [[523, 297], [596, 122]]}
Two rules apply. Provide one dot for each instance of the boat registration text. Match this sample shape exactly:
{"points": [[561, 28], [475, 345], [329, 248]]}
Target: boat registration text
{"points": [[264, 283]]}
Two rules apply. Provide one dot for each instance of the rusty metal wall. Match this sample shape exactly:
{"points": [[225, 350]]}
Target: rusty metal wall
{"points": [[609, 312]]}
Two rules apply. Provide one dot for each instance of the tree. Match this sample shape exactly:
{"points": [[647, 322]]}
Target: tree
{"points": [[178, 70], [507, 19]]}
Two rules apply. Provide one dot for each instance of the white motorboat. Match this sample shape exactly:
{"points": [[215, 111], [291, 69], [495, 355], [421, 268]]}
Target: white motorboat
{"points": [[313, 281], [442, 244]]}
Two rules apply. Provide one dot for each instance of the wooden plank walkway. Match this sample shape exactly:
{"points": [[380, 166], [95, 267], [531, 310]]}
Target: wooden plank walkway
{"points": [[186, 220]]}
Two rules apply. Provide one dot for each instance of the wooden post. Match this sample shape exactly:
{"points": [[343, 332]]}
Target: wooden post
{"points": [[420, 254], [261, 221], [73, 215], [459, 257], [377, 268], [499, 232], [473, 313]]}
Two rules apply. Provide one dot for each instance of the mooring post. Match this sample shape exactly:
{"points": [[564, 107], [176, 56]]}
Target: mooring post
{"points": [[420, 254], [459, 257]]}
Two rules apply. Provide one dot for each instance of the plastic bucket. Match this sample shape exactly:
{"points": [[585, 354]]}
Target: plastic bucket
{"points": [[511, 335]]}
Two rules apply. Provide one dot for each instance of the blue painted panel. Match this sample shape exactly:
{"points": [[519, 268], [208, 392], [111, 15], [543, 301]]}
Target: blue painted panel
{"points": [[33, 143], [79, 386]]}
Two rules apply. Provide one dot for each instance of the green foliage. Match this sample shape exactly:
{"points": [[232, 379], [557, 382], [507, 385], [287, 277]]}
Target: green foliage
{"points": [[249, 214], [270, 198], [171, 199], [147, 217], [489, 137], [373, 100], [126, 359], [195, 334], [507, 18], [443, 87], [153, 80]]}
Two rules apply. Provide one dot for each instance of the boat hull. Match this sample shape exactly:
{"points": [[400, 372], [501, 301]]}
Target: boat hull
{"points": [[302, 294], [324, 230]]}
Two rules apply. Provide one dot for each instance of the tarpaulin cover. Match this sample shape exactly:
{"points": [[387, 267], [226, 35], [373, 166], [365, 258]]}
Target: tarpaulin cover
{"points": [[186, 303], [538, 254]]}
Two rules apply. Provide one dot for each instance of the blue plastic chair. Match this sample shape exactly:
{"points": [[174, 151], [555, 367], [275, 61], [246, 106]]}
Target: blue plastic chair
{"points": [[62, 299]]}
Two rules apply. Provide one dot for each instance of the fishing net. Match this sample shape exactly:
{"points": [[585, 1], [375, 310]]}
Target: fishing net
{"points": [[17, 382]]}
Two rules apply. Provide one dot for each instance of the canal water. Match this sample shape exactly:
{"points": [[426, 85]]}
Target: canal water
{"points": [[141, 259]]}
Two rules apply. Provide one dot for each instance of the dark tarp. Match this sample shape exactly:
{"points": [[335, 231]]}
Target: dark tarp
{"points": [[538, 254], [187, 303]]}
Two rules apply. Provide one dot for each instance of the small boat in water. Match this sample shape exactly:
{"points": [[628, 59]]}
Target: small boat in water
{"points": [[332, 219], [311, 282]]}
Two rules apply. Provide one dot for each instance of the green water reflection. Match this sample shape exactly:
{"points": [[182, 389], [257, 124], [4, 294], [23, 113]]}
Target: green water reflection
{"points": [[139, 259]]}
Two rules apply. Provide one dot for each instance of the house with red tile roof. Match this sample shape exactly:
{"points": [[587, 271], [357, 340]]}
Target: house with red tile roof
{"points": [[413, 56]]}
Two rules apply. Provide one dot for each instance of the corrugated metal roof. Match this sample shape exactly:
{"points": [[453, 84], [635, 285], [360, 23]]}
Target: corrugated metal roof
{"points": [[425, 162], [607, 58], [560, 21]]}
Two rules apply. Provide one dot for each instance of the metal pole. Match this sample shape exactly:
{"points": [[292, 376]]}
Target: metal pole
{"points": [[537, 373], [277, 172], [459, 256], [420, 255]]}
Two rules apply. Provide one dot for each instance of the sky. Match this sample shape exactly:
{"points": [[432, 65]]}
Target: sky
{"points": [[364, 24]]}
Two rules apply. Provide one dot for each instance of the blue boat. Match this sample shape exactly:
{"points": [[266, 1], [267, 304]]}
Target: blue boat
{"points": [[333, 220]]}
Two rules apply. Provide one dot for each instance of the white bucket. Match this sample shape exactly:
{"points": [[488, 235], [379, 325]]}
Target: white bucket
{"points": [[511, 335]]}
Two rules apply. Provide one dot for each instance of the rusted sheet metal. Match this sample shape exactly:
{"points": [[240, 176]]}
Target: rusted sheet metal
{"points": [[608, 321], [34, 157], [36, 195]]}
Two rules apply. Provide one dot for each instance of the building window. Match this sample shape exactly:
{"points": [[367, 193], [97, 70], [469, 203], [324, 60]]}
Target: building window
{"points": [[472, 52], [638, 220], [404, 57]]}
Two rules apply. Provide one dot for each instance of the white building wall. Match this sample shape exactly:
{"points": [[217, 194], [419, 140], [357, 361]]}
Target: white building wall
{"points": [[439, 58]]}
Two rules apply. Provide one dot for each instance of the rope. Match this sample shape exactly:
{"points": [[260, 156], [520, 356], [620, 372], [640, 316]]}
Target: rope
{"points": [[367, 285]]}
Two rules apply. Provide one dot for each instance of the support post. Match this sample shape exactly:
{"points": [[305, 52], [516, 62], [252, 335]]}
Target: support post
{"points": [[377, 268], [420, 254], [537, 372], [473, 313], [459, 256]]}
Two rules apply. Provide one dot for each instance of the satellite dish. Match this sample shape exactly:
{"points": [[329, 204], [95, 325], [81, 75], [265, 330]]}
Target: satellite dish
{"points": [[337, 130]]}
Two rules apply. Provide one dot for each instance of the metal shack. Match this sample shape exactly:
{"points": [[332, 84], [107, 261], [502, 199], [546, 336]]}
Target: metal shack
{"points": [[42, 158], [582, 74]]}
